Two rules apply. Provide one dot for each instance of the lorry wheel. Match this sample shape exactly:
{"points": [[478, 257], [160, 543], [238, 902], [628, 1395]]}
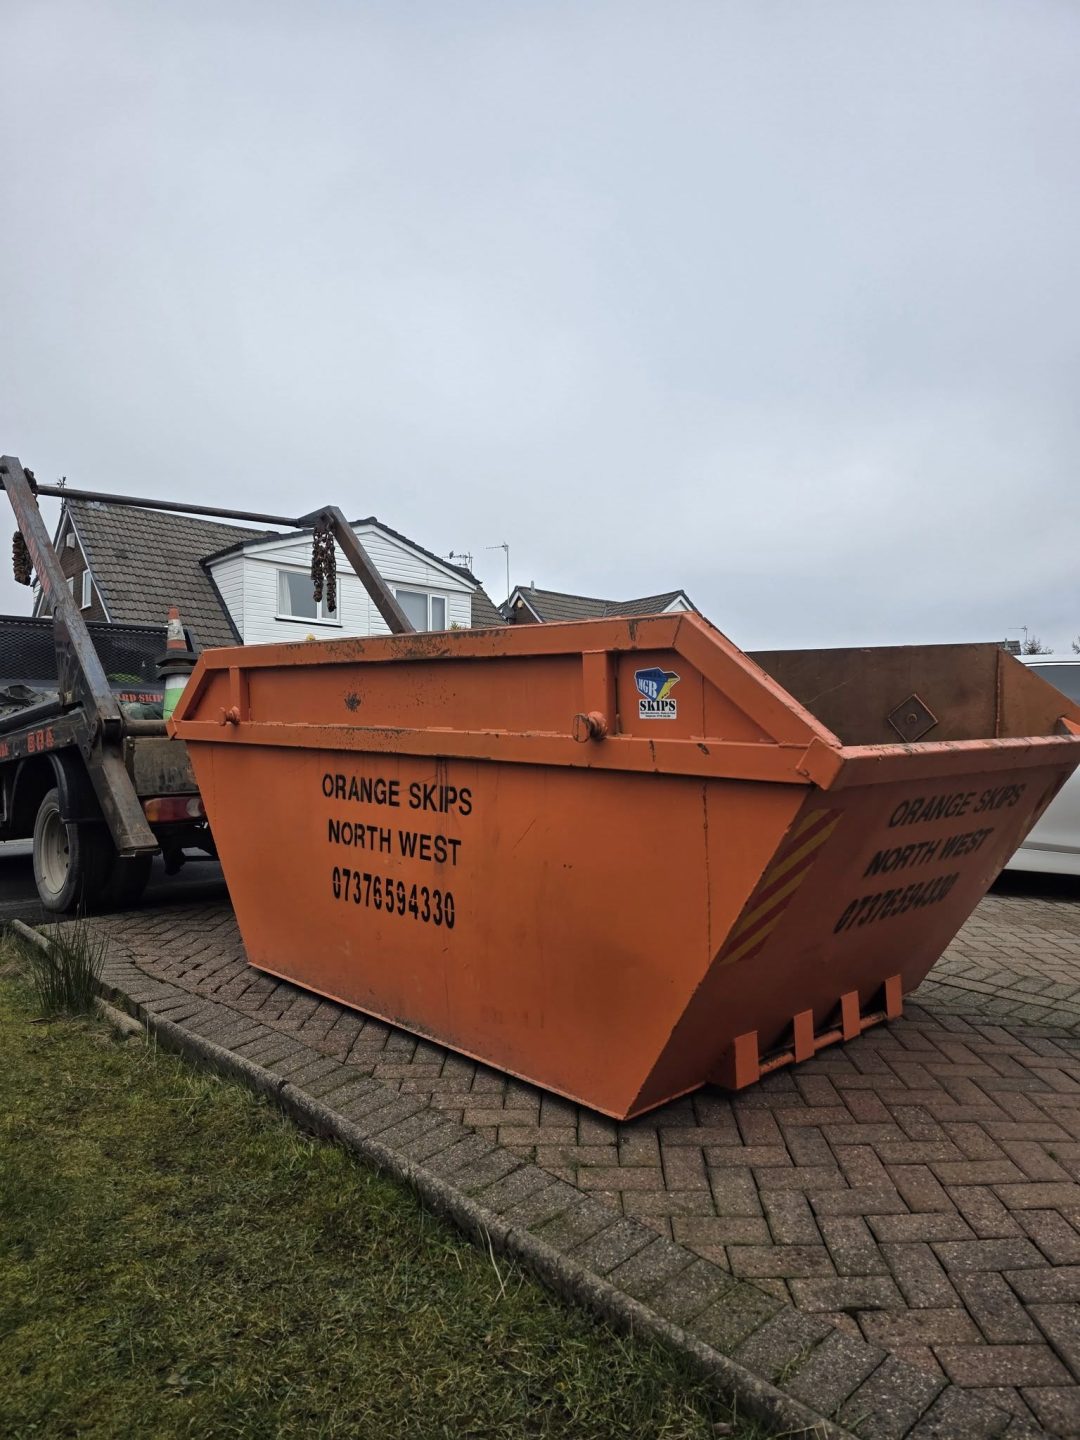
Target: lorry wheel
{"points": [[126, 881], [71, 862]]}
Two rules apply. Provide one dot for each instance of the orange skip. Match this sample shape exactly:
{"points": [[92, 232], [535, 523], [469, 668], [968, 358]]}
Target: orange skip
{"points": [[618, 858]]}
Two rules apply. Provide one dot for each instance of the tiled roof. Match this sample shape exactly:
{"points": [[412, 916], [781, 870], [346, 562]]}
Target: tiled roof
{"points": [[553, 605], [484, 612], [645, 604], [143, 561]]}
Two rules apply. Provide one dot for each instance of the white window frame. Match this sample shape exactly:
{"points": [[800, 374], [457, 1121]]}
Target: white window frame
{"points": [[430, 595], [87, 590], [322, 615], [71, 586]]}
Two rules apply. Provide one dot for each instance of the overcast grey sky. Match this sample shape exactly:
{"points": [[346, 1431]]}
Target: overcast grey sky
{"points": [[777, 302]]}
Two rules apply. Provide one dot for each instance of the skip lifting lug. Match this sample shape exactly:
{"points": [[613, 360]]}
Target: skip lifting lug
{"points": [[590, 726]]}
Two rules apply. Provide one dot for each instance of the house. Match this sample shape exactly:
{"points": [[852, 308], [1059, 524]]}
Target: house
{"points": [[239, 585], [530, 606], [264, 582]]}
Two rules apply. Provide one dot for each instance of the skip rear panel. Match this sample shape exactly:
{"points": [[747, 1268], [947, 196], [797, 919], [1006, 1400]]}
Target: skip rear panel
{"points": [[549, 922]]}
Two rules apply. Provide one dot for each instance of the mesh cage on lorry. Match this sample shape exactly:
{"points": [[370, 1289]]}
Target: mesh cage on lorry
{"points": [[128, 653]]}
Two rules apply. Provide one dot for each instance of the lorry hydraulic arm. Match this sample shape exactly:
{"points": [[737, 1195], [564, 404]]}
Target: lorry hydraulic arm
{"points": [[81, 677]]}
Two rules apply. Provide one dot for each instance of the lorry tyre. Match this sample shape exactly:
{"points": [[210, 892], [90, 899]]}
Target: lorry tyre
{"points": [[71, 862], [126, 881]]}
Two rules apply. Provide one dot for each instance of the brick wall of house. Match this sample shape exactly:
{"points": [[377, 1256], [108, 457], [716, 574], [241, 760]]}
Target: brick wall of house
{"points": [[73, 563], [522, 615]]}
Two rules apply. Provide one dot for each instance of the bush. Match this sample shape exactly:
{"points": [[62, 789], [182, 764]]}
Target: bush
{"points": [[65, 973]]}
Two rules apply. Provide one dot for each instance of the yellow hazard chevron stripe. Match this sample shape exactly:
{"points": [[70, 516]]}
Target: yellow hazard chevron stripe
{"points": [[780, 883]]}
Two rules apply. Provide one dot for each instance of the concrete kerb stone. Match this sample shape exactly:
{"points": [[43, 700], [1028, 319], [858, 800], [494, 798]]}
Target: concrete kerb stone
{"points": [[119, 1019], [560, 1271]]}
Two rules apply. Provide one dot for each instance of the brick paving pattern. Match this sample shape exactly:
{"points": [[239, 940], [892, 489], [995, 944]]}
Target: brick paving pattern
{"points": [[918, 1189], [1017, 958]]}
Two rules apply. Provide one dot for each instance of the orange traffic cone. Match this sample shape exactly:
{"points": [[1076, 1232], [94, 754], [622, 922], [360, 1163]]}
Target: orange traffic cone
{"points": [[177, 663]]}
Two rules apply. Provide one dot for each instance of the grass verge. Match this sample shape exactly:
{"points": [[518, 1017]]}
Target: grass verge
{"points": [[176, 1259]]}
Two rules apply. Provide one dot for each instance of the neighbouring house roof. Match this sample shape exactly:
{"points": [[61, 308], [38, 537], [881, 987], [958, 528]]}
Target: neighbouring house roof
{"points": [[553, 605], [485, 613], [143, 561]]}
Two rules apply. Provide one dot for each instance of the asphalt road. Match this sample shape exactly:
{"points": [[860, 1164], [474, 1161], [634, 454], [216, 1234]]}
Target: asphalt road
{"points": [[200, 880]]}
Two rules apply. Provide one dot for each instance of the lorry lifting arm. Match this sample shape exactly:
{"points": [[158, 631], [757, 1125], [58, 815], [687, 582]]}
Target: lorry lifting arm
{"points": [[82, 679]]}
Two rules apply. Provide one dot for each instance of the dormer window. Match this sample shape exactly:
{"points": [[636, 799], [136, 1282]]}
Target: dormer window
{"points": [[296, 601]]}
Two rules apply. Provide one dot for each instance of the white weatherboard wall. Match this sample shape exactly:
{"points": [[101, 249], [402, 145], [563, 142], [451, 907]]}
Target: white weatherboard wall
{"points": [[249, 586], [229, 578]]}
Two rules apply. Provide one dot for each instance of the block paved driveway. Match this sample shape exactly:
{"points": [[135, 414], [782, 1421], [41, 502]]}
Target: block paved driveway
{"points": [[920, 1187]]}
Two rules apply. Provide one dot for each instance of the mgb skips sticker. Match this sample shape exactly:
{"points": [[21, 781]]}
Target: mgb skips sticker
{"points": [[655, 687]]}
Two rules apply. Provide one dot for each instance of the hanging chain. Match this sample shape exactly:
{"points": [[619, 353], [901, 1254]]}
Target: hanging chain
{"points": [[21, 563], [324, 565]]}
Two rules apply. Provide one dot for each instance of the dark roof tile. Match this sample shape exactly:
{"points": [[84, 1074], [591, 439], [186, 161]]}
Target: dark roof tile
{"points": [[146, 560], [485, 615], [555, 605]]}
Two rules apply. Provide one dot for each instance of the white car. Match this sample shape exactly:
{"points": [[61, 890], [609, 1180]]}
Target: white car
{"points": [[1054, 845]]}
